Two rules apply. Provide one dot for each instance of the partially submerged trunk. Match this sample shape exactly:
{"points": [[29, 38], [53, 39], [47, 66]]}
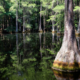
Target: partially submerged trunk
{"points": [[68, 57]]}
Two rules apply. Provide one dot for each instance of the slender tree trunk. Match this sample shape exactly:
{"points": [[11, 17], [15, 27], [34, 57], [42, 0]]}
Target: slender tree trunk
{"points": [[23, 19], [44, 23], [67, 58], [53, 38], [40, 29], [53, 27], [17, 17]]}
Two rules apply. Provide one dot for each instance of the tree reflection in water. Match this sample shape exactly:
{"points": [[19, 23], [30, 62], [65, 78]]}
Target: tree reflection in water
{"points": [[28, 56], [66, 76]]}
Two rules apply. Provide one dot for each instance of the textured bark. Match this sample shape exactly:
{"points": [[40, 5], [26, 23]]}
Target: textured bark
{"points": [[68, 56]]}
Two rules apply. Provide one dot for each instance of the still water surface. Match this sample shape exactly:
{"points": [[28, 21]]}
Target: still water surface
{"points": [[30, 56]]}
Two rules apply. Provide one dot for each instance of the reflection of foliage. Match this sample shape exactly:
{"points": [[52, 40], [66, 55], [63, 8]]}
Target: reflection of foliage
{"points": [[2, 59], [28, 38], [28, 63], [29, 59]]}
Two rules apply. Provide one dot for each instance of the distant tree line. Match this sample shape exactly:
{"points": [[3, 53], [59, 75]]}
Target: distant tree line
{"points": [[35, 15]]}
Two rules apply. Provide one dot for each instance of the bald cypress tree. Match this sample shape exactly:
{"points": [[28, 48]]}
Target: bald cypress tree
{"points": [[68, 57]]}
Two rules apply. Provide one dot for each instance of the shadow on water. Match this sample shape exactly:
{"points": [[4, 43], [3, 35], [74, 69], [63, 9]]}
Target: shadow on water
{"points": [[66, 75]]}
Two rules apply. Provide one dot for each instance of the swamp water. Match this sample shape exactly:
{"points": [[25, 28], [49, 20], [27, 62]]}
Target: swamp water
{"points": [[30, 56]]}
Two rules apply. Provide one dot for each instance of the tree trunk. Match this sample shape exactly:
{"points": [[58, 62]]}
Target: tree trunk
{"points": [[68, 57], [44, 22], [53, 27], [20, 16], [24, 20], [17, 18], [40, 29]]}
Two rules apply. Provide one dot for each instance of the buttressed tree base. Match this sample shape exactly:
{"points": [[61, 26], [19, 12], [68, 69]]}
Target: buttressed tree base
{"points": [[68, 57]]}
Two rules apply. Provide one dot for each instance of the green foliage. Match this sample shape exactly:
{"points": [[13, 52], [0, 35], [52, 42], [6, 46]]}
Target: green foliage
{"points": [[52, 10], [58, 8], [43, 12], [2, 10], [51, 51], [77, 8]]}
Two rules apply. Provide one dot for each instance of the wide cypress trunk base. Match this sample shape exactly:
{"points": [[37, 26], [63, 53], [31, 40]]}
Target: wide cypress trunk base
{"points": [[67, 62], [65, 67], [68, 58]]}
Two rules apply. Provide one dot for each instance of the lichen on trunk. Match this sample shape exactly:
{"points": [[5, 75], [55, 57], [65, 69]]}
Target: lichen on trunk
{"points": [[68, 57]]}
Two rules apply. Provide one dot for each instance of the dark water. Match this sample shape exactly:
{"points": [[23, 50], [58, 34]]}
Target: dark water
{"points": [[29, 56]]}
